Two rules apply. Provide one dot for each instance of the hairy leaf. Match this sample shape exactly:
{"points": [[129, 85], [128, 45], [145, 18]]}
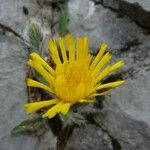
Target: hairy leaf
{"points": [[29, 125], [63, 20], [72, 119], [35, 37]]}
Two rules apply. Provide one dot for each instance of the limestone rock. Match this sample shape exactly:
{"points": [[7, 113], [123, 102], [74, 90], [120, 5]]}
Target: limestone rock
{"points": [[13, 57], [12, 15], [18, 20], [137, 10], [101, 25], [90, 137]]}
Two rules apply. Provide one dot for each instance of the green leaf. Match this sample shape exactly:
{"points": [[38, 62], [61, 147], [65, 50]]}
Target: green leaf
{"points": [[27, 126], [35, 37], [72, 119], [63, 20]]}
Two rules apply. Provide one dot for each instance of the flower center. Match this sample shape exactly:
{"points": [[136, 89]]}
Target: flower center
{"points": [[72, 82]]}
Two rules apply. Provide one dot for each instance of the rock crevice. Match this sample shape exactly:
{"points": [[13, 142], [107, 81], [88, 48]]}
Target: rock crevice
{"points": [[137, 10]]}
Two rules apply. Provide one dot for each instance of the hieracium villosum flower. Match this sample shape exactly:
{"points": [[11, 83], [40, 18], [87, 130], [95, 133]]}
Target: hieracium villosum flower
{"points": [[77, 77]]}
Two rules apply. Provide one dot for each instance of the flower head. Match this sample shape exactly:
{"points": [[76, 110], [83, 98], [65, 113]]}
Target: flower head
{"points": [[77, 77]]}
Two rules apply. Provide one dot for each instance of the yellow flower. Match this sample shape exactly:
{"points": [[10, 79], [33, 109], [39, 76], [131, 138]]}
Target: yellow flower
{"points": [[76, 78]]}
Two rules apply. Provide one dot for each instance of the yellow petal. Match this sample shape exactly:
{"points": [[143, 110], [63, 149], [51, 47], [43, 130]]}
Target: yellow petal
{"points": [[30, 63], [33, 107], [86, 55], [83, 57], [33, 83], [80, 90], [99, 94], [39, 68], [103, 74], [53, 111], [71, 46], [86, 101], [63, 49], [117, 65], [85, 45], [43, 63], [102, 63], [65, 108], [108, 70], [79, 49], [99, 55], [109, 85], [54, 52]]}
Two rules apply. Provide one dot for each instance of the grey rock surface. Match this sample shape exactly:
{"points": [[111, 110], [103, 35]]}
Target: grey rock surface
{"points": [[130, 134], [89, 137], [13, 93], [143, 3], [137, 10], [114, 4], [133, 98], [21, 13], [101, 25], [11, 13]]}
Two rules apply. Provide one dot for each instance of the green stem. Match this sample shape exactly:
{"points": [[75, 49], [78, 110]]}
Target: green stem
{"points": [[63, 137]]}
